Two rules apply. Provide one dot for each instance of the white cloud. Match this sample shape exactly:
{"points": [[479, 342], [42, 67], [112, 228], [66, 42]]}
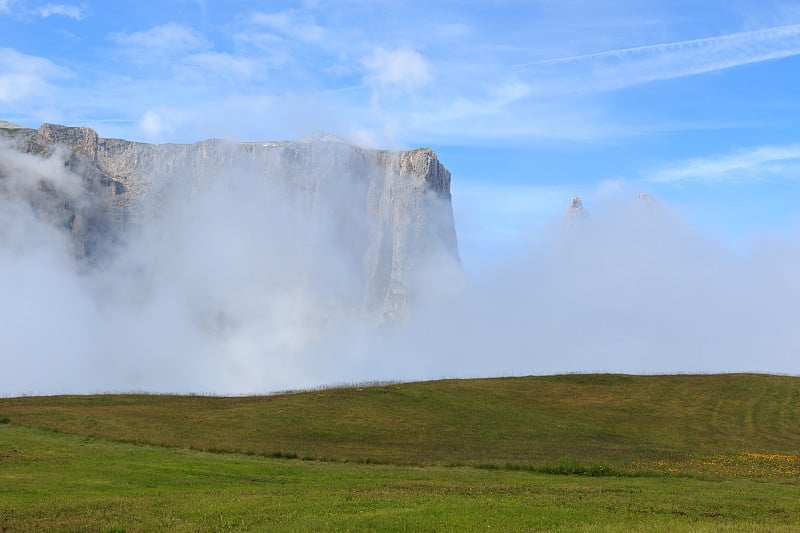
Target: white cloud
{"points": [[161, 124], [190, 55], [505, 114], [166, 40], [363, 137], [290, 24], [615, 69], [64, 10], [456, 85], [152, 124], [269, 48], [224, 65], [24, 76], [751, 163], [260, 117], [610, 188], [402, 68], [24, 173], [5, 6]]}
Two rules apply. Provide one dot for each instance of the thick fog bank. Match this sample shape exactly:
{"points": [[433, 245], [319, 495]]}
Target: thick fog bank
{"points": [[224, 278], [228, 287], [633, 289]]}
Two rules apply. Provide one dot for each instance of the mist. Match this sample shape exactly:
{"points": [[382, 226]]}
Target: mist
{"points": [[233, 285], [634, 289]]}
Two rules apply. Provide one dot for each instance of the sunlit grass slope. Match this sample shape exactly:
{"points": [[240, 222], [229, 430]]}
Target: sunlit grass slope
{"points": [[60, 482], [713, 425]]}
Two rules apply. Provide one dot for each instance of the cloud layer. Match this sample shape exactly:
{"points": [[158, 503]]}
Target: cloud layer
{"points": [[759, 163], [227, 288], [625, 67]]}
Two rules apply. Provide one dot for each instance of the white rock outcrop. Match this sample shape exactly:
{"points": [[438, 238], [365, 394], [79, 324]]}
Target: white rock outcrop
{"points": [[393, 206]]}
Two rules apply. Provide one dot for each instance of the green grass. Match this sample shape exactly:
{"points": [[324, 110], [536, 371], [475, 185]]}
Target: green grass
{"points": [[575, 452], [55, 481], [624, 423]]}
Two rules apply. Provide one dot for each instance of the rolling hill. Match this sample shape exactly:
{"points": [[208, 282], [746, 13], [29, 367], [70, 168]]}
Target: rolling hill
{"points": [[627, 423]]}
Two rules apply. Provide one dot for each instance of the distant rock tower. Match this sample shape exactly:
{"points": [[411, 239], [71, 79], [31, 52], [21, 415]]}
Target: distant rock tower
{"points": [[647, 198], [576, 214]]}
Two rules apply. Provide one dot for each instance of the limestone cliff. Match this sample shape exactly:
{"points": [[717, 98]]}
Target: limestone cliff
{"points": [[391, 209]]}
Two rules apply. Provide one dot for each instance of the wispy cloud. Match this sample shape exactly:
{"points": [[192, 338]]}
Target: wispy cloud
{"points": [[625, 67], [64, 10], [290, 24], [464, 99], [752, 163], [24, 77], [457, 75], [162, 41], [402, 68], [224, 65]]}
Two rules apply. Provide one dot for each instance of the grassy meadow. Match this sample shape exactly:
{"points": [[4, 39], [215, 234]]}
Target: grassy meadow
{"points": [[575, 452]]}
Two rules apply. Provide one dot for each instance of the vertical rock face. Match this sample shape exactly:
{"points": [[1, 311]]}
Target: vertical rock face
{"points": [[411, 222], [60, 181], [388, 212]]}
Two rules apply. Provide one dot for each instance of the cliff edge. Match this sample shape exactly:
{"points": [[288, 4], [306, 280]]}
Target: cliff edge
{"points": [[388, 212]]}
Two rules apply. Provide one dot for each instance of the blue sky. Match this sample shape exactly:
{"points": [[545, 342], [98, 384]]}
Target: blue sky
{"points": [[527, 103]]}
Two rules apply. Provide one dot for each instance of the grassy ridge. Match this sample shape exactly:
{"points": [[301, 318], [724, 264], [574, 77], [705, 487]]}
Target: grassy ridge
{"points": [[627, 423], [733, 438]]}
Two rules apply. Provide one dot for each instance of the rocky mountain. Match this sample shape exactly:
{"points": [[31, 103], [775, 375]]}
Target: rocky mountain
{"points": [[576, 213], [388, 211]]}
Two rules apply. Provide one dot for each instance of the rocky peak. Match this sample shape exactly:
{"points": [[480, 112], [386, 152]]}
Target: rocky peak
{"points": [[575, 213], [81, 140], [324, 136], [647, 199]]}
